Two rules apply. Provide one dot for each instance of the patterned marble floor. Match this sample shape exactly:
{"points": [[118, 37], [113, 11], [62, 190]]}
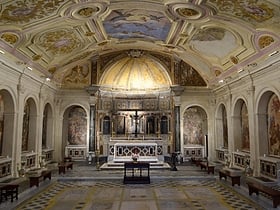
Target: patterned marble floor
{"points": [[87, 188], [159, 195]]}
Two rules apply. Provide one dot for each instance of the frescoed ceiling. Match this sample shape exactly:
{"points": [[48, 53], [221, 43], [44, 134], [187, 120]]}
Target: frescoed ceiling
{"points": [[73, 42]]}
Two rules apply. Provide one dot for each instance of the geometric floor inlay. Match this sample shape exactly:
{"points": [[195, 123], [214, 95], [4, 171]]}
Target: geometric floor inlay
{"points": [[159, 195]]}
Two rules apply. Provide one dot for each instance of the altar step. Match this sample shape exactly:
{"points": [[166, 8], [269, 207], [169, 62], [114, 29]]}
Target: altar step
{"points": [[120, 166]]}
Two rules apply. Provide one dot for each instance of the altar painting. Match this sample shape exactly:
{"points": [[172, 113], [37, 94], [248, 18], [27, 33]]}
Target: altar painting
{"points": [[194, 119], [77, 126], [245, 128], [274, 125]]}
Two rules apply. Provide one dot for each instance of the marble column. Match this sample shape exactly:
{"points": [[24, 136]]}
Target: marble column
{"points": [[92, 90], [177, 90]]}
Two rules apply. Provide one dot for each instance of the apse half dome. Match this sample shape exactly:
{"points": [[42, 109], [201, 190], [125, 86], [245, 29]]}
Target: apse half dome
{"points": [[135, 74]]}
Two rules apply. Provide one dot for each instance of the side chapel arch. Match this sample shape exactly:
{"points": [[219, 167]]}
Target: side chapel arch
{"points": [[7, 118], [241, 126]]}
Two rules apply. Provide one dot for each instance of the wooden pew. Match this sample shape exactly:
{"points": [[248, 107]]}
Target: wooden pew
{"points": [[256, 187], [34, 179], [63, 166], [8, 190], [235, 179], [205, 165]]}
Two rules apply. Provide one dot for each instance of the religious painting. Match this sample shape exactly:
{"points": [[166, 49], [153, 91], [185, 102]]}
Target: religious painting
{"points": [[121, 125], [225, 127], [44, 132], [188, 76], [164, 125], [1, 122], [194, 121], [107, 125], [25, 127], [274, 125], [245, 138], [77, 126], [137, 23]]}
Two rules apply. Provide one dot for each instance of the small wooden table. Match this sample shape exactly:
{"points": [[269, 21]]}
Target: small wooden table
{"points": [[207, 166], [8, 190], [235, 179], [136, 173], [35, 179], [255, 187], [63, 166]]}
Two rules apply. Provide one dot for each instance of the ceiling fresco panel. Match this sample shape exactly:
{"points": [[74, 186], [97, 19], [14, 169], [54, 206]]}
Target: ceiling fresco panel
{"points": [[137, 23]]}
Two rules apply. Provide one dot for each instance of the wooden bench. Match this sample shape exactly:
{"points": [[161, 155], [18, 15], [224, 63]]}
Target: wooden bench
{"points": [[255, 187], [35, 179], [63, 166], [207, 166], [136, 173], [8, 190], [235, 179]]}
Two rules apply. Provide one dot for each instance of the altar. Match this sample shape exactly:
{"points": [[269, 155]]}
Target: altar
{"points": [[148, 150]]}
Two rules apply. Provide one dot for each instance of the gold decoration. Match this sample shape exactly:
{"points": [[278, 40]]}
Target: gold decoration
{"points": [[36, 57], [26, 11], [87, 12], [234, 59], [89, 33], [265, 41], [10, 38], [52, 70], [78, 75], [60, 42], [217, 73], [187, 12]]}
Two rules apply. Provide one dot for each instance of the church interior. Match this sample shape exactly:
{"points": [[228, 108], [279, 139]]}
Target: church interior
{"points": [[164, 88]]}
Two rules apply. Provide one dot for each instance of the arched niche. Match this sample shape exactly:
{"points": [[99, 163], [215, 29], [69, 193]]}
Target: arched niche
{"points": [[29, 126], [221, 127], [106, 125], [241, 126], [74, 132], [269, 124], [7, 118], [47, 132], [195, 130]]}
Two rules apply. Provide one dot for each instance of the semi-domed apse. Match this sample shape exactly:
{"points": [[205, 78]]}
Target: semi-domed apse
{"points": [[135, 74]]}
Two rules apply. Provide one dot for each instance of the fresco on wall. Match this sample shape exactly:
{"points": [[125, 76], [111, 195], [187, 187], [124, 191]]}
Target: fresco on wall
{"points": [[77, 126], [245, 139], [274, 125], [225, 127], [25, 127], [44, 132], [1, 122], [194, 119], [137, 23]]}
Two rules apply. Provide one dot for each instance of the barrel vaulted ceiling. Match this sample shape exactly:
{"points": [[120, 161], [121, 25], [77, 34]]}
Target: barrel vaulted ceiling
{"points": [[199, 42]]}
